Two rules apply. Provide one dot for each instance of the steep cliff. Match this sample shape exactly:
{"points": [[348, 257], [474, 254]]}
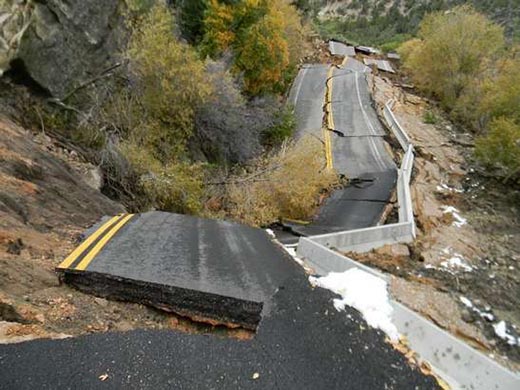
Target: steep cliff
{"points": [[60, 44]]}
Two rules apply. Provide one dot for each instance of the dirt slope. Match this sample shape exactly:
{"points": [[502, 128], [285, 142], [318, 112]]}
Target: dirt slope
{"points": [[45, 204], [468, 244]]}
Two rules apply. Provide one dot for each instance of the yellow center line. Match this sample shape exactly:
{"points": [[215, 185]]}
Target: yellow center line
{"points": [[329, 120], [97, 248], [80, 249]]}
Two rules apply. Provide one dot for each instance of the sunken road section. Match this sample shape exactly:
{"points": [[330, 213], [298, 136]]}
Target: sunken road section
{"points": [[303, 343], [209, 270]]}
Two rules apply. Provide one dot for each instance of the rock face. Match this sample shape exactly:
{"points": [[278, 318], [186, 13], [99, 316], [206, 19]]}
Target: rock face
{"points": [[69, 42]]}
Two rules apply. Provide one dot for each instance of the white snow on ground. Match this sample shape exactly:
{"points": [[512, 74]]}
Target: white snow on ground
{"points": [[457, 262], [291, 250], [466, 302], [488, 316], [364, 292], [271, 233], [459, 221], [445, 187], [451, 262], [501, 331]]}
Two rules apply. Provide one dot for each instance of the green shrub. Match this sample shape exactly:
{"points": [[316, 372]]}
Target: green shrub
{"points": [[500, 148], [430, 118], [285, 124]]}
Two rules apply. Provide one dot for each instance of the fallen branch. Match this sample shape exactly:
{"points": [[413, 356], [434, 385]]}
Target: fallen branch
{"points": [[106, 73]]}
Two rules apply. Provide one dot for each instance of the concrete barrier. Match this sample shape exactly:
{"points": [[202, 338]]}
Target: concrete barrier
{"points": [[395, 126], [404, 196], [456, 362], [362, 240]]}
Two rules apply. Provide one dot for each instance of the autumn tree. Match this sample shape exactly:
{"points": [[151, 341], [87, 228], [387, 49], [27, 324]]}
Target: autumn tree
{"points": [[500, 148], [501, 93], [451, 50], [168, 83], [265, 36]]}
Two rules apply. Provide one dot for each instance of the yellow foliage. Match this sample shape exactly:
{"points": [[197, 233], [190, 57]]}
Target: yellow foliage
{"points": [[451, 51], [171, 83], [286, 184], [174, 186], [217, 24], [266, 36], [501, 95], [264, 54]]}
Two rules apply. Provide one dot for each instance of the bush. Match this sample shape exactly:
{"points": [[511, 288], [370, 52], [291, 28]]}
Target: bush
{"points": [[170, 83], [501, 93], [285, 124], [500, 148], [284, 184], [453, 49], [175, 186], [430, 118], [227, 128]]}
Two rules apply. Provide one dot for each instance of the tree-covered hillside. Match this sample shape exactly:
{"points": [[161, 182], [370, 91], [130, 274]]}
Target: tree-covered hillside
{"points": [[380, 22]]}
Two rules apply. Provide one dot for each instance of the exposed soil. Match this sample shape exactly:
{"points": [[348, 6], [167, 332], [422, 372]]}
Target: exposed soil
{"points": [[48, 197], [472, 252]]}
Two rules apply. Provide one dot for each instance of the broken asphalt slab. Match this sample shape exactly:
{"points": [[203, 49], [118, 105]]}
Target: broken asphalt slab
{"points": [[302, 343], [205, 269]]}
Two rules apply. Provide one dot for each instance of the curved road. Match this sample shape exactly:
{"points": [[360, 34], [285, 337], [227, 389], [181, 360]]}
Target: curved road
{"points": [[358, 148], [302, 342]]}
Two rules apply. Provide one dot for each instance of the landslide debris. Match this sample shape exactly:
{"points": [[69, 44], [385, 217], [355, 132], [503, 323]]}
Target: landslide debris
{"points": [[46, 203], [463, 270]]}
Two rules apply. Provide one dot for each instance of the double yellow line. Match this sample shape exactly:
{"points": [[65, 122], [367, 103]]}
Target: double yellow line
{"points": [[329, 120], [81, 257]]}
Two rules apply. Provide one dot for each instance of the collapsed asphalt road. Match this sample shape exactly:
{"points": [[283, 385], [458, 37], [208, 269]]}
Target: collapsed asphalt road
{"points": [[302, 343], [308, 98], [200, 268], [357, 147]]}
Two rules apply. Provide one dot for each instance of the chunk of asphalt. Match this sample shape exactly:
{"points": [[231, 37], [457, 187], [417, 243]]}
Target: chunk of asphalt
{"points": [[209, 270], [303, 343]]}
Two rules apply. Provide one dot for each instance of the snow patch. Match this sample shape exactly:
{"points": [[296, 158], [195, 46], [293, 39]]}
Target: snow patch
{"points": [[466, 302], [501, 331], [364, 292], [482, 313], [292, 253], [444, 187], [457, 262], [459, 221], [271, 233]]}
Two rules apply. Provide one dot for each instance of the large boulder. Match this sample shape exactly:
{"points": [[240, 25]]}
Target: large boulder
{"points": [[69, 42]]}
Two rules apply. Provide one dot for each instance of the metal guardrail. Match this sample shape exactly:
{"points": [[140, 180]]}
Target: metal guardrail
{"points": [[362, 240]]}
